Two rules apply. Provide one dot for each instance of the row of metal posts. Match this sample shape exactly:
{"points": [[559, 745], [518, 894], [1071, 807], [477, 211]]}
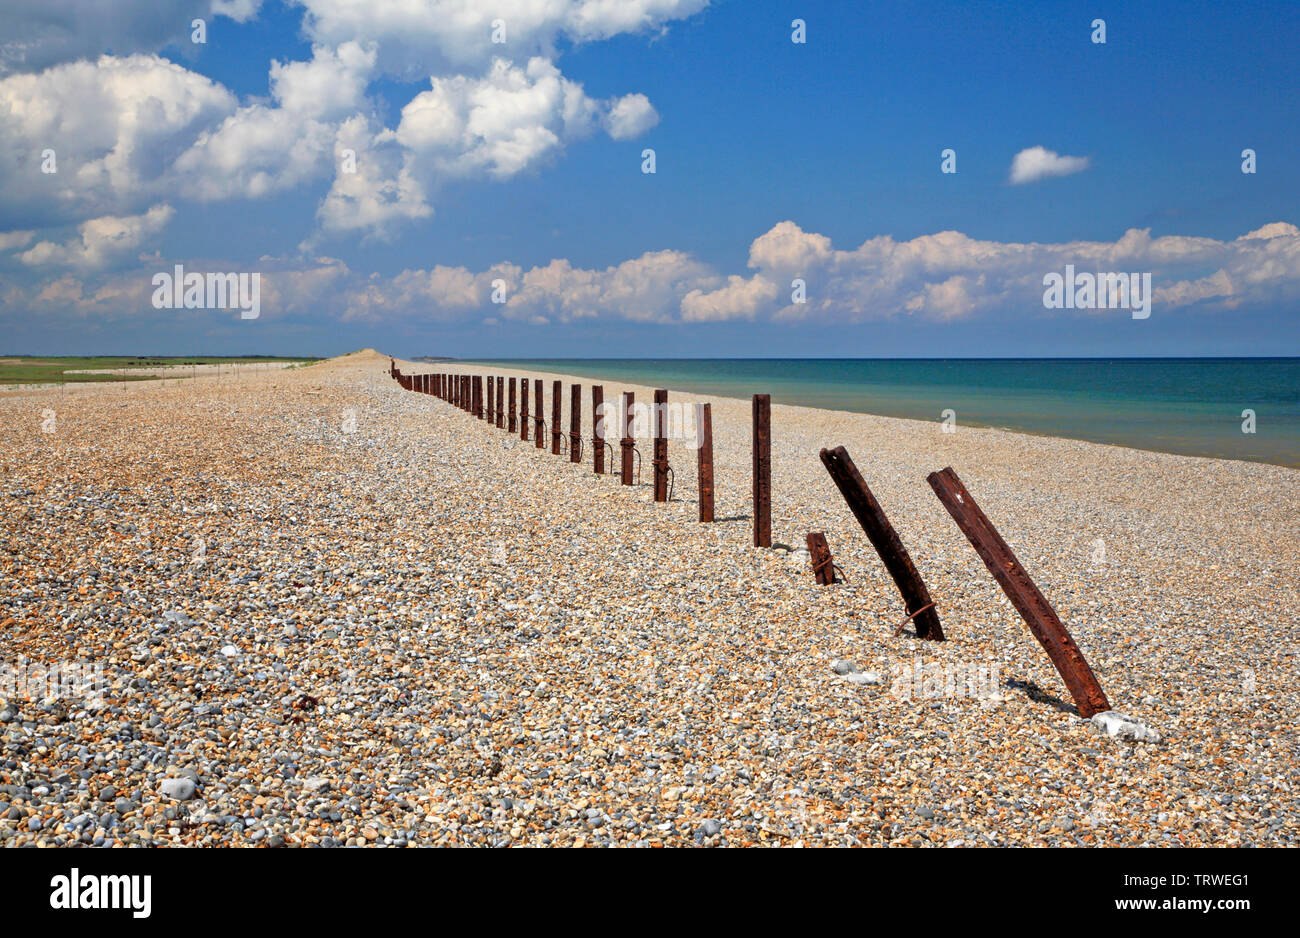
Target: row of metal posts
{"points": [[466, 391]]}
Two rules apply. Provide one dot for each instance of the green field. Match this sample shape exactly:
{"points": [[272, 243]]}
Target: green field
{"points": [[51, 369]]}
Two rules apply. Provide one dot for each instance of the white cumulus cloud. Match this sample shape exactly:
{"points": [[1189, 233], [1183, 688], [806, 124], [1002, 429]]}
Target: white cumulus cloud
{"points": [[1038, 163]]}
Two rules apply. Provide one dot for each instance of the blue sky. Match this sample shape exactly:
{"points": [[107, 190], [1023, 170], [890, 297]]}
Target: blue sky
{"points": [[775, 160]]}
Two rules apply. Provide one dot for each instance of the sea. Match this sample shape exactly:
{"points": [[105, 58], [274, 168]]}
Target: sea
{"points": [[1229, 408]]}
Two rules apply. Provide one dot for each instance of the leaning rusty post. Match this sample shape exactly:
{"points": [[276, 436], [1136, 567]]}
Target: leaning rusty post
{"points": [[704, 431], [1020, 589], [762, 459], [491, 398], [540, 421], [523, 409], [883, 537], [575, 423], [557, 391], [501, 402], [597, 429], [822, 563], [626, 443], [661, 445]]}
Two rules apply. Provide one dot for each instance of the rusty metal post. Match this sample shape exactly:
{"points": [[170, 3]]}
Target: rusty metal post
{"points": [[541, 410], [885, 540], [523, 409], [626, 443], [762, 470], [575, 423], [822, 563], [1029, 601], [501, 402], [597, 429], [478, 397], [512, 422], [466, 393], [491, 399], [705, 453], [661, 445], [557, 391]]}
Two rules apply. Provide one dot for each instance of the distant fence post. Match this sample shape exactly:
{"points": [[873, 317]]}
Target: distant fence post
{"points": [[1029, 601], [575, 423], [762, 458], [626, 442], [886, 541], [661, 445], [597, 429], [705, 453], [557, 392], [523, 409], [541, 412]]}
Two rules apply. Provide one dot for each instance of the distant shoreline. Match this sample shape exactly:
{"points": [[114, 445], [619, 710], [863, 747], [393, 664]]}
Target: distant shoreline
{"points": [[1161, 413]]}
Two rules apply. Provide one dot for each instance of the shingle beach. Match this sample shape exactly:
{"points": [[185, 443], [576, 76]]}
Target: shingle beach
{"points": [[329, 611]]}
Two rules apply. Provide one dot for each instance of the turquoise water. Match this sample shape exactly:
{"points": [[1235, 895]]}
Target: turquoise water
{"points": [[1191, 406]]}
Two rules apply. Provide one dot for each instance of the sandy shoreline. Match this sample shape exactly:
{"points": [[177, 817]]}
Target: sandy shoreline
{"points": [[507, 649]]}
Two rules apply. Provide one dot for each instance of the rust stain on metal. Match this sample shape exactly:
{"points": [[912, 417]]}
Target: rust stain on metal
{"points": [[523, 409], [1029, 601], [512, 425], [575, 423], [597, 429], [557, 392], [626, 443], [704, 432], [762, 470], [660, 452], [823, 563], [539, 424], [885, 540]]}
